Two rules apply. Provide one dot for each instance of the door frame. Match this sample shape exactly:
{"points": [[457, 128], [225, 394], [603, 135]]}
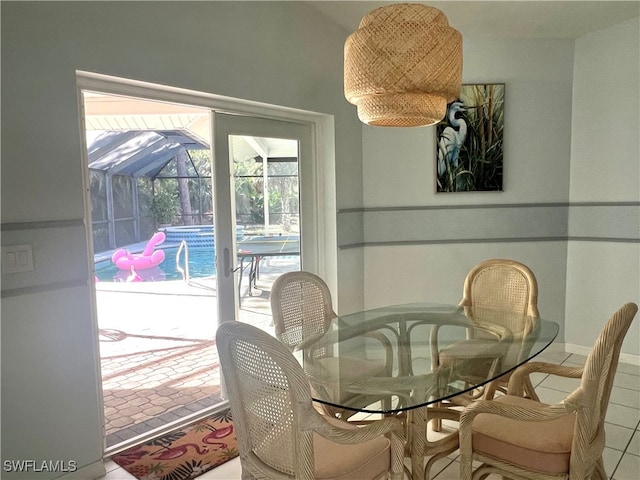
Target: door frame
{"points": [[322, 162], [322, 261]]}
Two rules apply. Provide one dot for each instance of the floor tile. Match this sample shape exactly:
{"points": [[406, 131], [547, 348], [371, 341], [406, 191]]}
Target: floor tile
{"points": [[628, 468], [629, 368], [611, 459], [634, 445], [621, 415], [451, 471], [627, 380], [562, 384], [549, 395], [617, 437], [625, 396], [230, 470], [576, 359]]}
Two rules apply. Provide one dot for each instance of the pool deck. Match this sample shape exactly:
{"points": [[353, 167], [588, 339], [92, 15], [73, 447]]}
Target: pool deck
{"points": [[157, 347]]}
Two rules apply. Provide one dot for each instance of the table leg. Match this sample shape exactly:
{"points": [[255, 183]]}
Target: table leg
{"points": [[417, 419], [420, 447], [253, 273], [240, 280]]}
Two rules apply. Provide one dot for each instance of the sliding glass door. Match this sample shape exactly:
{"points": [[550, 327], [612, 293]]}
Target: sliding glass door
{"points": [[259, 174], [222, 204]]}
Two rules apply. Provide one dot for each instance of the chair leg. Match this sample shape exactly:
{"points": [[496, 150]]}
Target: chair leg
{"points": [[397, 457]]}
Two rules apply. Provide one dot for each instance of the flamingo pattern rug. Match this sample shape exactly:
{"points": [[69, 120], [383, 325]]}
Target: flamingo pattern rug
{"points": [[183, 454]]}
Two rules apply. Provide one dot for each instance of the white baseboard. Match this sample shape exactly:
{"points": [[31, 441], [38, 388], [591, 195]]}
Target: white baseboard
{"points": [[629, 358], [88, 472]]}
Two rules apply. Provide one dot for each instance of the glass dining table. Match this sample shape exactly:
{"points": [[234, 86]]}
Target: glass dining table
{"points": [[413, 382]]}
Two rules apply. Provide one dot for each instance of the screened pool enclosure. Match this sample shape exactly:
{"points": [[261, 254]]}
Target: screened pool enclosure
{"points": [[143, 180]]}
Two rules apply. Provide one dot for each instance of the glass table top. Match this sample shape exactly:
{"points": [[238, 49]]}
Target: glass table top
{"points": [[401, 357]]}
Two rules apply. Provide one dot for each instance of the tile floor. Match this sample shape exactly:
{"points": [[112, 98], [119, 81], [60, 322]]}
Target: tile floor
{"points": [[621, 455]]}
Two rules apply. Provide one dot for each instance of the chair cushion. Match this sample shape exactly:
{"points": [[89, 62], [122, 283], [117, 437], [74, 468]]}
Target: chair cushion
{"points": [[472, 354], [356, 368], [334, 461], [538, 446]]}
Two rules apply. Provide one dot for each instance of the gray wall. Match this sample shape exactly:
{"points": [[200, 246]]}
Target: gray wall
{"points": [[285, 54], [603, 261], [279, 53], [571, 204], [433, 239]]}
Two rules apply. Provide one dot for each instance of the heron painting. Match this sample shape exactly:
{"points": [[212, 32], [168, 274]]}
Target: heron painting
{"points": [[469, 152]]}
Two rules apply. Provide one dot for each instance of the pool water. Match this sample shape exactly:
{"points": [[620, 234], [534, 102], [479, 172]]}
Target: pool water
{"points": [[201, 264]]}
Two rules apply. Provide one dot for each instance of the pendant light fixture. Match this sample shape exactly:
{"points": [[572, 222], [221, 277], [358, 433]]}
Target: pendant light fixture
{"points": [[403, 65]]}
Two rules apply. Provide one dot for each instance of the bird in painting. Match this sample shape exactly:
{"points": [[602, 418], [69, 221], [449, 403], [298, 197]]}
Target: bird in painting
{"points": [[452, 138]]}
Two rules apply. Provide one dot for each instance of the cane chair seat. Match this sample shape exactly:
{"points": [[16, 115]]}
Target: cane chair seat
{"points": [[280, 434], [522, 438]]}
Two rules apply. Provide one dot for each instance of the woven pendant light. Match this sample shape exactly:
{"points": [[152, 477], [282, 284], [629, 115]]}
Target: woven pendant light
{"points": [[402, 66]]}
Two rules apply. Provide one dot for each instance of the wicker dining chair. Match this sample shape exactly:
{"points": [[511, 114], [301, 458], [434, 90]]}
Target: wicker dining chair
{"points": [[499, 285], [280, 434], [521, 438], [302, 308]]}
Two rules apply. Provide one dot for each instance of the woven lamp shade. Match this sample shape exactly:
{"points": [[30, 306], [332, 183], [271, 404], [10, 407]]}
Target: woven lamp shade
{"points": [[402, 66]]}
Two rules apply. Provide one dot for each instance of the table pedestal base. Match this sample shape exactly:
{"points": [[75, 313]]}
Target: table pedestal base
{"points": [[418, 446]]}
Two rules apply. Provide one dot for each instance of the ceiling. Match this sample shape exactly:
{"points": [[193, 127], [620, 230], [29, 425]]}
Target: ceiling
{"points": [[179, 125], [135, 136], [503, 19]]}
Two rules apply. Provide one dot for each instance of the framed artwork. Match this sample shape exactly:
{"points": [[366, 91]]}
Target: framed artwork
{"points": [[470, 141]]}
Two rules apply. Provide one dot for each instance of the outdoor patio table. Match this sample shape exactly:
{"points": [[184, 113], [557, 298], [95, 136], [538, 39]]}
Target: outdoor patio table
{"points": [[417, 385], [255, 248]]}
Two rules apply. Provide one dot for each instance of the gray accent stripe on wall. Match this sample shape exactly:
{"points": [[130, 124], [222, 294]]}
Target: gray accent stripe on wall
{"points": [[606, 222]]}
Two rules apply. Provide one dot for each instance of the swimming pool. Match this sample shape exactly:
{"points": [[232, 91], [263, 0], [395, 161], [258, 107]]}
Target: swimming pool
{"points": [[201, 264], [195, 235]]}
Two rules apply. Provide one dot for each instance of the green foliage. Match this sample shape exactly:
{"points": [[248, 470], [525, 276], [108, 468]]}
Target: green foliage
{"points": [[164, 206]]}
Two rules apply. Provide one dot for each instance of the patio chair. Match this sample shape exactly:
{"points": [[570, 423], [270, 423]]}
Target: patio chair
{"points": [[522, 438], [302, 309], [280, 434]]}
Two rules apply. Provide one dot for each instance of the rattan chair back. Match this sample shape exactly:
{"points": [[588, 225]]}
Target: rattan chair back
{"points": [[588, 403], [493, 287], [265, 385], [501, 284], [595, 390], [274, 418], [301, 306]]}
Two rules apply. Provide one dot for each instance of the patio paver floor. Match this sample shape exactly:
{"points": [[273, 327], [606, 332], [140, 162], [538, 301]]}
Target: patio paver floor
{"points": [[157, 347]]}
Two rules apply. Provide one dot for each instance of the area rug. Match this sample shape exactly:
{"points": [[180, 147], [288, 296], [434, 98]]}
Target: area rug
{"points": [[183, 454]]}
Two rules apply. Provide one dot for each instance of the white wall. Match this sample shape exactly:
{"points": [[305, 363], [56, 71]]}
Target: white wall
{"points": [[538, 81], [279, 53], [571, 203], [439, 237], [605, 167]]}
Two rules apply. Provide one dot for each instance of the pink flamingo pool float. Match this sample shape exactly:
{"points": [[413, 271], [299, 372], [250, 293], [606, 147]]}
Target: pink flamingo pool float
{"points": [[140, 261]]}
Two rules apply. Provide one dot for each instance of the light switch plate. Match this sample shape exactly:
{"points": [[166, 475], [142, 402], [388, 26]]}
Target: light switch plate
{"points": [[17, 258]]}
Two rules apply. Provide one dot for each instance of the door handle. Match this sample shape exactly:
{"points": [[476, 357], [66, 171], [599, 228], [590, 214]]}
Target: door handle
{"points": [[227, 263]]}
